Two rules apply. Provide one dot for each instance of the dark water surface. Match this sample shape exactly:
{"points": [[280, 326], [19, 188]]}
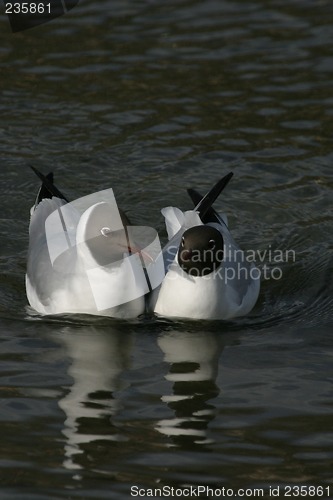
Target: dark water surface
{"points": [[149, 98]]}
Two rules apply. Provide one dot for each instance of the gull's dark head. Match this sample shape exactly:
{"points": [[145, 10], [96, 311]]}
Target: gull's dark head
{"points": [[201, 250]]}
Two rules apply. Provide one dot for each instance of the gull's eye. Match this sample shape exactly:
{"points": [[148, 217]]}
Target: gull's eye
{"points": [[211, 244], [183, 241]]}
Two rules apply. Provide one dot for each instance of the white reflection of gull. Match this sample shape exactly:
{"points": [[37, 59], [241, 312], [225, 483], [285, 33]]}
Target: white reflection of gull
{"points": [[98, 359], [193, 359]]}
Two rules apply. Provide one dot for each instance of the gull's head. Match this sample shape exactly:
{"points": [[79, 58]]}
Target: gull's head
{"points": [[200, 251]]}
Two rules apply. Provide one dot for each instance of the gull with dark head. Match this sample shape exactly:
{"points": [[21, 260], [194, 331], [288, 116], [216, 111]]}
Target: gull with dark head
{"points": [[207, 274]]}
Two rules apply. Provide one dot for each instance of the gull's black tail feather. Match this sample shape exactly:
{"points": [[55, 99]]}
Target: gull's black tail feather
{"points": [[203, 204], [47, 189], [211, 215], [44, 191]]}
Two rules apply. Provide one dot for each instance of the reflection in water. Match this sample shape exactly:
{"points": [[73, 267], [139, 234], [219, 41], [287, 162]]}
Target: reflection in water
{"points": [[193, 359], [97, 361]]}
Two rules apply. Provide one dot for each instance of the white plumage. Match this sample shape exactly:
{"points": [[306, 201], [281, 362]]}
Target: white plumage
{"points": [[79, 260], [229, 291], [83, 258]]}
